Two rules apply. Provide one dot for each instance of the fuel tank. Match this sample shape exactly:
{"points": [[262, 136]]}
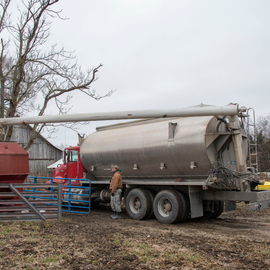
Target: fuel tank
{"points": [[161, 148]]}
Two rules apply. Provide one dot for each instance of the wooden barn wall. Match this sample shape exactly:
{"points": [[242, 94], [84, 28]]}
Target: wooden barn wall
{"points": [[41, 154]]}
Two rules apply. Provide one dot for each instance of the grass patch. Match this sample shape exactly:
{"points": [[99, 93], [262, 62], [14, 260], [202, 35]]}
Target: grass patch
{"points": [[116, 240], [127, 243], [149, 253], [51, 237], [52, 259], [29, 259], [7, 231]]}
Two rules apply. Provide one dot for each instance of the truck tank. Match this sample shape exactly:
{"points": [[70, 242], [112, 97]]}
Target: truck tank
{"points": [[161, 149]]}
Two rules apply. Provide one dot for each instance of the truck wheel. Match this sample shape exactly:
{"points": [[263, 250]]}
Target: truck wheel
{"points": [[138, 204], [127, 190], [170, 207], [152, 197], [218, 209], [207, 209], [213, 209], [186, 208]]}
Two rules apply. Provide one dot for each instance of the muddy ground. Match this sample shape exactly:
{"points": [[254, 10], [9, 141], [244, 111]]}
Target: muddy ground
{"points": [[236, 240]]}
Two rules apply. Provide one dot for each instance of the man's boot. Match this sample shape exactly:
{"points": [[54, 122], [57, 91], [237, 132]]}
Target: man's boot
{"points": [[117, 216], [113, 214]]}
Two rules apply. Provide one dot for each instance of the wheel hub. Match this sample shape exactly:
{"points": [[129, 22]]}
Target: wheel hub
{"points": [[167, 207], [138, 204]]}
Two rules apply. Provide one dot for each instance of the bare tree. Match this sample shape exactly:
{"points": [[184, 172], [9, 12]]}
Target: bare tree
{"points": [[3, 24], [263, 142], [32, 72]]}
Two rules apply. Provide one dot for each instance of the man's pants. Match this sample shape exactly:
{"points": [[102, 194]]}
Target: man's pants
{"points": [[115, 201]]}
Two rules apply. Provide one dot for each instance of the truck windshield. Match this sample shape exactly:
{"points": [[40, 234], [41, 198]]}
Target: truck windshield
{"points": [[73, 156]]}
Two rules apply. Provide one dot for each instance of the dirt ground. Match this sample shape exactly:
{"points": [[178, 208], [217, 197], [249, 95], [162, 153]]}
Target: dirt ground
{"points": [[236, 240]]}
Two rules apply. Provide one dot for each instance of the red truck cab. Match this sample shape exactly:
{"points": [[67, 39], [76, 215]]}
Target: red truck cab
{"points": [[71, 168]]}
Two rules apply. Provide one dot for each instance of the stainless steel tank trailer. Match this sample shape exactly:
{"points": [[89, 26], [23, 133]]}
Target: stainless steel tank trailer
{"points": [[175, 164]]}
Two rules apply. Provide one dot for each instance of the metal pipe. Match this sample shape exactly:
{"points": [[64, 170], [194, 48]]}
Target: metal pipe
{"points": [[59, 210], [231, 109]]}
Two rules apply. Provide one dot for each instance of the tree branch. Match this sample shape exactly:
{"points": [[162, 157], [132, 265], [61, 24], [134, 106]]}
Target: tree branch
{"points": [[33, 77]]}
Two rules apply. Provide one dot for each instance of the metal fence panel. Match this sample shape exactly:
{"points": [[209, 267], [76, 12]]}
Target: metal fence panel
{"points": [[17, 202], [75, 198]]}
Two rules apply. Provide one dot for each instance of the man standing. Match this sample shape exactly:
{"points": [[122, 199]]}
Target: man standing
{"points": [[116, 190]]}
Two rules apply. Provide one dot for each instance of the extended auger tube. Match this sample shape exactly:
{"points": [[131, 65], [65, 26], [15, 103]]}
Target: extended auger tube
{"points": [[232, 109]]}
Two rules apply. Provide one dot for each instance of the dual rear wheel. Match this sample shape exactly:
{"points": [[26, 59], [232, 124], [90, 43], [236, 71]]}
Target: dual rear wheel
{"points": [[168, 206], [171, 206], [138, 203], [213, 209]]}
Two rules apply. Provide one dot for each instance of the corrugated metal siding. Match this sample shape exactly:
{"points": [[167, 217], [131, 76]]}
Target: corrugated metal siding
{"points": [[41, 154]]}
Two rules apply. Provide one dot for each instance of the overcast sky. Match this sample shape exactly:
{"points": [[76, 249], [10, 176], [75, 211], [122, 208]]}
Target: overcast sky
{"points": [[168, 54]]}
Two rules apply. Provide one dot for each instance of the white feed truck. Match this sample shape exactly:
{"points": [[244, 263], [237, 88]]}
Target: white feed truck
{"points": [[175, 164]]}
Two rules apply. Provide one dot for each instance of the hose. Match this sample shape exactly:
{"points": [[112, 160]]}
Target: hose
{"points": [[228, 176], [220, 121]]}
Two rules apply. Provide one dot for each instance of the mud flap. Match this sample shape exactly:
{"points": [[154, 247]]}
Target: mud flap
{"points": [[196, 202], [230, 206]]}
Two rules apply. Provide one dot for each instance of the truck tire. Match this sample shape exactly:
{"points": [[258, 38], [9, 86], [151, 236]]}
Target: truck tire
{"points": [[127, 190], [138, 204], [213, 209], [152, 195], [186, 209], [207, 209], [218, 209], [170, 207]]}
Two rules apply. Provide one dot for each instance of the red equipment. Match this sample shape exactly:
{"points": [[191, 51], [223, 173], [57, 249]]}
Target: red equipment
{"points": [[14, 165]]}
